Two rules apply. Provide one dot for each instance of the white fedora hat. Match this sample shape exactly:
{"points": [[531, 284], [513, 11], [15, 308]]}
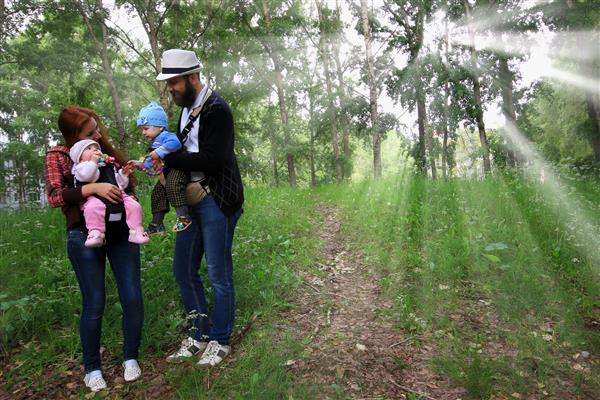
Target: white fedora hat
{"points": [[177, 62]]}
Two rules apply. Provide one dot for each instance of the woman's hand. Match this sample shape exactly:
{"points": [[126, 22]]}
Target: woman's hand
{"points": [[105, 190]]}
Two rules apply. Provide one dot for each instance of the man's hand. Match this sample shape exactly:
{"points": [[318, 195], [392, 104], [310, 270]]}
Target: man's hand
{"points": [[154, 155]]}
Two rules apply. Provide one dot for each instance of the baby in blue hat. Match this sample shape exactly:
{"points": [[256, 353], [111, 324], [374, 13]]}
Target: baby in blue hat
{"points": [[172, 183]]}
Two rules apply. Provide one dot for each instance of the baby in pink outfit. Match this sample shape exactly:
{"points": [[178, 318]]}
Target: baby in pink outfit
{"points": [[87, 168]]}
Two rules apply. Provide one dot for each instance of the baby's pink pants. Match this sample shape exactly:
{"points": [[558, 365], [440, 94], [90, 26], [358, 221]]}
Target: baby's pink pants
{"points": [[94, 212]]}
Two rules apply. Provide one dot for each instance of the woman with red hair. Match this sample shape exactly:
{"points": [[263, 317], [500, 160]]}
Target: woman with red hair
{"points": [[78, 123]]}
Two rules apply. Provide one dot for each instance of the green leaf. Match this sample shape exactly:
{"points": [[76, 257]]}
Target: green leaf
{"points": [[492, 258]]}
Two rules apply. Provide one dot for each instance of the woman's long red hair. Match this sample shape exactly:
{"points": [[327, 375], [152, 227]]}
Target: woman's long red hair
{"points": [[71, 121]]}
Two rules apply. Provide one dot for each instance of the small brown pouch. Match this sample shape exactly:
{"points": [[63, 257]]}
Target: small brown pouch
{"points": [[195, 192]]}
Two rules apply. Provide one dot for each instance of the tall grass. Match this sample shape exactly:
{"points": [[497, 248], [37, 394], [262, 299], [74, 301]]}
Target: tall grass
{"points": [[493, 274], [40, 300], [490, 272]]}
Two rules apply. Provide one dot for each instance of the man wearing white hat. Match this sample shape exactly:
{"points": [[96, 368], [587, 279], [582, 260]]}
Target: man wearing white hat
{"points": [[215, 197]]}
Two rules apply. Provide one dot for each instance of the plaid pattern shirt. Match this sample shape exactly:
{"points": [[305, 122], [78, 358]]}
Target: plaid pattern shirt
{"points": [[59, 185]]}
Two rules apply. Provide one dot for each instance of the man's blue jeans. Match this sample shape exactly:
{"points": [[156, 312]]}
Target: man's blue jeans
{"points": [[209, 235], [89, 265]]}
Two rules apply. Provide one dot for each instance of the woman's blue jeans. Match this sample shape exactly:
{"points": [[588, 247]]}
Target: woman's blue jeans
{"points": [[210, 235], [89, 265]]}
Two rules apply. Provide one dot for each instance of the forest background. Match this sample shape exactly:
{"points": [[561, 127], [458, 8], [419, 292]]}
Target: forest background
{"points": [[459, 139], [316, 87]]}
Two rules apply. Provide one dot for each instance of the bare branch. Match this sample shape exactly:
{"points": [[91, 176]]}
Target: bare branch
{"points": [[208, 23], [129, 43]]}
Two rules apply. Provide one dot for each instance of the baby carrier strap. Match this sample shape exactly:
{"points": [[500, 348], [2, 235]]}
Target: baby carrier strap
{"points": [[116, 227]]}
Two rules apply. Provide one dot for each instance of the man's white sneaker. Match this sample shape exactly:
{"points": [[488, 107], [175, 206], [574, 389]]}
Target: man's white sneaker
{"points": [[214, 354], [94, 380], [132, 370], [189, 348]]}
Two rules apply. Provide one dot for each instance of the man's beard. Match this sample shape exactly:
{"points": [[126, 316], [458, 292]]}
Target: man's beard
{"points": [[187, 98]]}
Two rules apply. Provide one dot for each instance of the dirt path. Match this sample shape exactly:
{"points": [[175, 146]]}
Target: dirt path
{"points": [[350, 347]]}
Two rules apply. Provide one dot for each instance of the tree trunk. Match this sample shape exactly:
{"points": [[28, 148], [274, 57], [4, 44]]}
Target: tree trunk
{"points": [[151, 22], [114, 93], [330, 100], [445, 126], [446, 114], [343, 116], [429, 143], [274, 157], [593, 109], [346, 166], [421, 120], [102, 48], [2, 21], [508, 108], [281, 98], [477, 95], [311, 132], [284, 122], [364, 17], [444, 153]]}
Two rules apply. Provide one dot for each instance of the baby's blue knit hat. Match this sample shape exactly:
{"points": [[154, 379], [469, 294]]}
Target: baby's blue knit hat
{"points": [[153, 115]]}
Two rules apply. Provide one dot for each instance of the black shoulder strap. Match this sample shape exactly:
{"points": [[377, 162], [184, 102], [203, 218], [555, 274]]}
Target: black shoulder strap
{"points": [[183, 135]]}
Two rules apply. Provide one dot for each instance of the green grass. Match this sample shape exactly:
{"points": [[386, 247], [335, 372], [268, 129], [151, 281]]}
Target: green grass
{"points": [[500, 276], [40, 301], [496, 274]]}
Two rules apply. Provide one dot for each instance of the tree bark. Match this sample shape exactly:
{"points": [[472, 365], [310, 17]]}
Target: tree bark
{"points": [[364, 17], [274, 157], [102, 48], [311, 143], [346, 166], [330, 99], [446, 115], [343, 116], [421, 120], [508, 108], [280, 96], [593, 109], [152, 23], [429, 143], [2, 21], [477, 95]]}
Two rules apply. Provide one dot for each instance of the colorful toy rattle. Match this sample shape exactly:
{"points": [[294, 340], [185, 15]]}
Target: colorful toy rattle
{"points": [[105, 159], [146, 164]]}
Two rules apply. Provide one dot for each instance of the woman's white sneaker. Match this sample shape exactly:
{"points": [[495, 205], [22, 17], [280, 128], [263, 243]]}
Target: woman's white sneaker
{"points": [[94, 380], [214, 354], [189, 348], [132, 370]]}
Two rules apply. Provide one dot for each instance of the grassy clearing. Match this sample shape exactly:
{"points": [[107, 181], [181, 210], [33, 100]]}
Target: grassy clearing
{"points": [[498, 275], [494, 273], [40, 301]]}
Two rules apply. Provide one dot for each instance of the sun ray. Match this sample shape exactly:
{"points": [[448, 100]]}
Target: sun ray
{"points": [[574, 217]]}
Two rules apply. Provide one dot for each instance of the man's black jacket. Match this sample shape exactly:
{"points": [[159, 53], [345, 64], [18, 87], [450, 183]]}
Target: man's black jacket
{"points": [[215, 156]]}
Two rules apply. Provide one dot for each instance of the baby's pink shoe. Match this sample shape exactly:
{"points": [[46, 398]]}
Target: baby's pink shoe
{"points": [[138, 236], [95, 238]]}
